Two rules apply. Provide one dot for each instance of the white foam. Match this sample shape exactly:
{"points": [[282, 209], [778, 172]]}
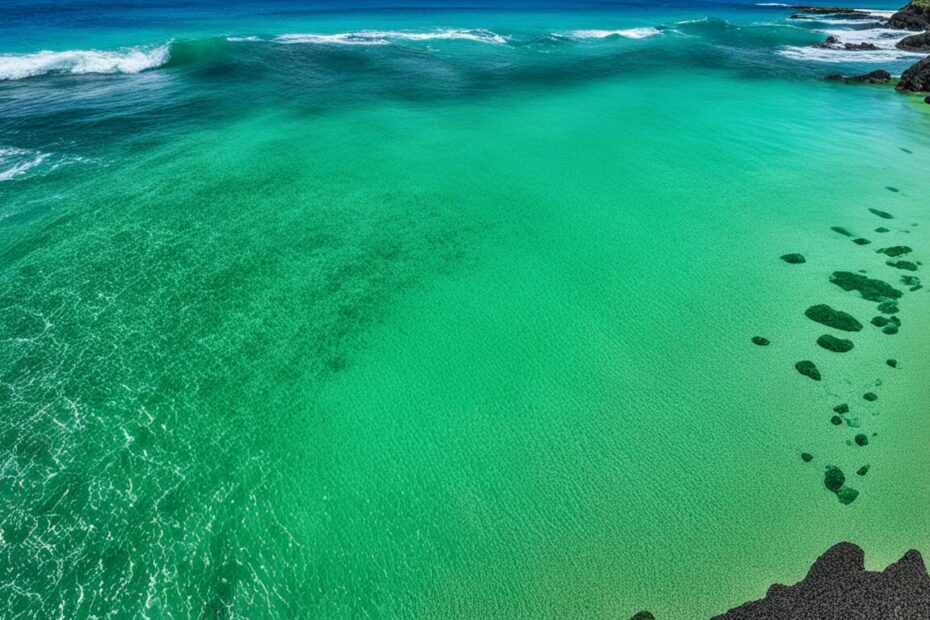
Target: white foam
{"points": [[884, 38], [242, 39], [130, 60], [629, 33], [16, 162], [386, 37], [817, 54]]}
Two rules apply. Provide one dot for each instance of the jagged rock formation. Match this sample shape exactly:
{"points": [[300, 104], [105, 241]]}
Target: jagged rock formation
{"points": [[914, 16], [838, 587]]}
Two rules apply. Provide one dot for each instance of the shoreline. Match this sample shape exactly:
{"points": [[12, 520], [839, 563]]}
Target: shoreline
{"points": [[912, 20]]}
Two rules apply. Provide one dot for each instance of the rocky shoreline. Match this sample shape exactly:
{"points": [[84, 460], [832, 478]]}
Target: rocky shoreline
{"points": [[838, 586], [915, 17]]}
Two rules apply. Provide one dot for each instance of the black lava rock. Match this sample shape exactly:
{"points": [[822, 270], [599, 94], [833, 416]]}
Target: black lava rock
{"points": [[916, 78], [918, 43], [914, 16]]}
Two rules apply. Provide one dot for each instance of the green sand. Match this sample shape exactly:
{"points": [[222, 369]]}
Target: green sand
{"points": [[481, 361]]}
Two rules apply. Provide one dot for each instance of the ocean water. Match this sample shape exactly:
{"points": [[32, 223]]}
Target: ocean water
{"points": [[444, 310]]}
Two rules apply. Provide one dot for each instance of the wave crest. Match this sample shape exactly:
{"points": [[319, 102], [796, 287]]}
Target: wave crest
{"points": [[386, 37], [628, 33], [130, 60]]}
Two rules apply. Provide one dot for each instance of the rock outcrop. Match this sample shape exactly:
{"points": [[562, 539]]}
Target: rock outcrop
{"points": [[838, 586], [917, 43], [916, 78], [873, 77], [914, 16]]}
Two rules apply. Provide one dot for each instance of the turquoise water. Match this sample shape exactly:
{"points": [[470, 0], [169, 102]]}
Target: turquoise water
{"points": [[446, 316]]}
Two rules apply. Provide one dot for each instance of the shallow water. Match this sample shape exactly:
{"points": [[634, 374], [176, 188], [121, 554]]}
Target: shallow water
{"points": [[445, 325]]}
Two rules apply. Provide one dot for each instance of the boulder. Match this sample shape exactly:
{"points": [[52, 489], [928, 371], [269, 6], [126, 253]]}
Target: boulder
{"points": [[916, 78], [917, 43]]}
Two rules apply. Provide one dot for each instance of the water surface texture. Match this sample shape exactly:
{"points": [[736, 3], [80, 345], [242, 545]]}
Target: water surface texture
{"points": [[446, 311]]}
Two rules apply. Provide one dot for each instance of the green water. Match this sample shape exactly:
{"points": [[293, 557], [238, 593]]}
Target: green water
{"points": [[480, 357]]}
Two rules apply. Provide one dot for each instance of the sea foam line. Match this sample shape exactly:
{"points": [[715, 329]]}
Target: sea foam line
{"points": [[386, 37], [129, 60], [16, 162]]}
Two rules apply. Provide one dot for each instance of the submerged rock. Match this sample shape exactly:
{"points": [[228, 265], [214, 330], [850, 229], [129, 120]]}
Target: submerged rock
{"points": [[807, 457], [844, 408], [841, 230], [873, 290], [870, 396], [837, 345], [861, 241], [891, 330], [896, 251], [880, 321], [892, 362], [833, 478], [760, 341], [861, 440], [836, 420], [808, 369], [862, 470], [643, 615], [916, 78], [794, 259], [888, 307], [881, 214], [902, 264], [838, 586], [837, 319], [847, 495], [881, 229]]}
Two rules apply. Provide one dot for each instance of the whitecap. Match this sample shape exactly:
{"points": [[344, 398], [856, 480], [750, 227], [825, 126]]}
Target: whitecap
{"points": [[629, 33], [817, 54], [385, 37], [250, 39], [129, 60]]}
